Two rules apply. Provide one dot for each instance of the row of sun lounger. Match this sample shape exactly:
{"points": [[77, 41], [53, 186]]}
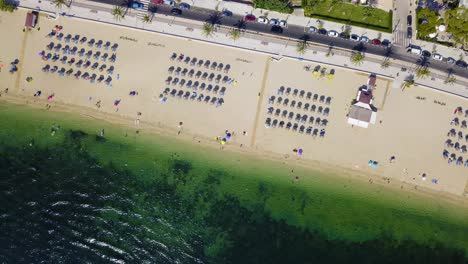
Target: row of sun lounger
{"points": [[453, 133], [456, 122], [89, 55], [197, 86], [301, 94], [92, 77], [83, 40], [192, 96], [306, 119], [456, 145], [199, 75], [95, 66], [199, 63], [452, 158], [269, 123], [325, 111], [310, 96]]}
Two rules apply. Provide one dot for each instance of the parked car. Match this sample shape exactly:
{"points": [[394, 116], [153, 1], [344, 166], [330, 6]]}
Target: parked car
{"points": [[426, 53], [461, 64], [227, 13], [451, 60], [176, 11], [184, 6], [354, 37], [437, 56], [344, 35], [333, 33], [415, 50], [168, 2], [138, 5], [322, 31], [250, 18], [364, 39], [409, 33], [312, 29], [386, 43], [283, 24], [376, 42], [409, 20], [276, 29], [274, 22], [262, 20]]}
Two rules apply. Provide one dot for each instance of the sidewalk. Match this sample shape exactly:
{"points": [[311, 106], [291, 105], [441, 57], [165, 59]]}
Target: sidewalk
{"points": [[179, 27]]}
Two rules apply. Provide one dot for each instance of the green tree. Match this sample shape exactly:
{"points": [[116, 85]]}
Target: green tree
{"points": [[427, 21], [146, 19], [408, 83], [6, 6], [208, 29], [59, 4], [234, 33], [385, 63], [357, 58], [422, 72], [118, 13], [303, 44], [457, 24]]}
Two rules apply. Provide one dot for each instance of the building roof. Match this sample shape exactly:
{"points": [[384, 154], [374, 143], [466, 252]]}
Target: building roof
{"points": [[365, 97], [30, 20], [360, 113]]}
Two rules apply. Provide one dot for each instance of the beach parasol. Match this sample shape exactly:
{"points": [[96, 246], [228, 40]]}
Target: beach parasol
{"points": [[223, 141], [299, 152], [117, 102], [228, 136]]}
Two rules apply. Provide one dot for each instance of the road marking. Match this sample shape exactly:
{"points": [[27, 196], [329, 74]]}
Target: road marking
{"points": [[259, 104]]}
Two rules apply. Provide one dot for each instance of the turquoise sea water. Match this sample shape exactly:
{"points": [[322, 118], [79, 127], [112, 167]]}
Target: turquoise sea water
{"points": [[70, 196]]}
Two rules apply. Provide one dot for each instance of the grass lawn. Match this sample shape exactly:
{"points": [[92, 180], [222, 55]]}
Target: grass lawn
{"points": [[345, 13]]}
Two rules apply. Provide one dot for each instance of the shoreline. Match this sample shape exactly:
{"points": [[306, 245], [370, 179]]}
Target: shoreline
{"points": [[296, 163]]}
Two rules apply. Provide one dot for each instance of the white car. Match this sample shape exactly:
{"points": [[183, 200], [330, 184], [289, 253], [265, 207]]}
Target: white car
{"points": [[312, 29], [262, 20], [437, 56], [283, 24], [333, 33], [274, 22], [364, 39]]}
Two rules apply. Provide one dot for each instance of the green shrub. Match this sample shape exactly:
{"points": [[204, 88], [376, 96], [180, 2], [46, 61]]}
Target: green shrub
{"points": [[6, 6], [283, 6]]}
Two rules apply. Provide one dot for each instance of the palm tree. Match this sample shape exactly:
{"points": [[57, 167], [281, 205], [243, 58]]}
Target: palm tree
{"points": [[451, 80], [118, 13], [385, 63], [152, 9], [422, 72], [408, 82], [146, 19], [357, 58], [303, 44], [59, 4], [208, 30], [234, 33]]}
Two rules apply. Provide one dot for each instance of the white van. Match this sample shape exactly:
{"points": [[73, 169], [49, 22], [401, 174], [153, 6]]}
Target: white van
{"points": [[415, 50]]}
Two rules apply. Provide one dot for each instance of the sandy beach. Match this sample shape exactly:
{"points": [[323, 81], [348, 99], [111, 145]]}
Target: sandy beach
{"points": [[411, 125]]}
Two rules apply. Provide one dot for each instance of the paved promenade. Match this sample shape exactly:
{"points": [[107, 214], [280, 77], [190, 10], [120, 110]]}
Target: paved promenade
{"points": [[278, 48]]}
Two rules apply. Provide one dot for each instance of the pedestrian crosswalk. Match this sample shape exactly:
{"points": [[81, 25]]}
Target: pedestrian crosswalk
{"points": [[400, 37], [141, 12]]}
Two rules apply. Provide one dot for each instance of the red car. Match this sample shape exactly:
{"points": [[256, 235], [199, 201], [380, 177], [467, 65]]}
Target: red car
{"points": [[376, 42], [250, 18]]}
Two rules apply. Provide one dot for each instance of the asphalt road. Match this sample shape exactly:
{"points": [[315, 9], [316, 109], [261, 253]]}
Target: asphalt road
{"points": [[296, 32]]}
